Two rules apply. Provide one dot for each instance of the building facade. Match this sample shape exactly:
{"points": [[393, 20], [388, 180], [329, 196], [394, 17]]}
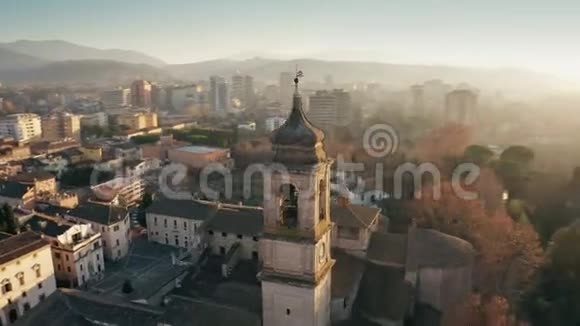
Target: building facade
{"points": [[141, 94], [77, 252], [61, 125], [111, 221], [22, 127], [26, 274], [219, 94], [116, 98], [328, 109]]}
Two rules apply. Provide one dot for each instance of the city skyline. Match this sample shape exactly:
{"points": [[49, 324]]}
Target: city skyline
{"points": [[532, 36]]}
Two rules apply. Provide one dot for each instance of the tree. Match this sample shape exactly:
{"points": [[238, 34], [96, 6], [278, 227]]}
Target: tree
{"points": [[521, 155], [555, 297], [8, 222], [146, 201], [508, 253], [513, 168], [478, 154], [127, 287]]}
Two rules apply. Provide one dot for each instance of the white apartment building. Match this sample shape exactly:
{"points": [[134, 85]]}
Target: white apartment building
{"points": [[26, 274], [115, 98], [125, 191], [77, 252], [111, 221], [21, 126]]}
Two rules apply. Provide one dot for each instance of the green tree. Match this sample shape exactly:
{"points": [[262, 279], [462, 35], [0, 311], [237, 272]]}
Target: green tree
{"points": [[127, 287], [146, 201], [555, 297], [8, 222], [478, 154], [521, 155]]}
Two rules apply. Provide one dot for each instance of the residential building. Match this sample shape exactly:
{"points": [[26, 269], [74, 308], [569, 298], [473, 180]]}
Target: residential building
{"points": [[92, 152], [26, 274], [23, 127], [115, 98], [243, 90], [141, 94], [330, 108], [77, 252], [353, 225], [16, 194], [97, 119], [183, 97], [61, 125], [219, 96], [111, 221], [461, 106], [138, 120], [123, 191], [198, 157]]}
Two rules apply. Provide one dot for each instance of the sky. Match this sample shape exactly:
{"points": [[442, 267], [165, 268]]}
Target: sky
{"points": [[538, 35]]}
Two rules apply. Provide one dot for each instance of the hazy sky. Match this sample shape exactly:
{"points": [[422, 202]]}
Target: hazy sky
{"points": [[543, 35]]}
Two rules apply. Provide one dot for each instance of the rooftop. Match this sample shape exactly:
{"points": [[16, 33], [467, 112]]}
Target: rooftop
{"points": [[48, 226], [13, 189], [98, 213], [12, 247], [352, 215]]}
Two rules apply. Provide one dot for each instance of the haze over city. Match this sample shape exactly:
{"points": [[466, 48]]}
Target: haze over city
{"points": [[283, 163], [533, 35]]}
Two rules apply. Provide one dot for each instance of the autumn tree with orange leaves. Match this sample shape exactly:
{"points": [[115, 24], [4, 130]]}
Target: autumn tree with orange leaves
{"points": [[508, 252]]}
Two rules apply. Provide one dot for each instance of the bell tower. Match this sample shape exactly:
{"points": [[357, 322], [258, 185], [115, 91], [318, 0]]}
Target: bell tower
{"points": [[295, 246]]}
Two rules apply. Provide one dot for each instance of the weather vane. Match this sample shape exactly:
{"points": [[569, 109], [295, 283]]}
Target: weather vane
{"points": [[299, 74]]}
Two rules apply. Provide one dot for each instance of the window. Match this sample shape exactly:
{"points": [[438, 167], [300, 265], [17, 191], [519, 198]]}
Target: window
{"points": [[210, 232], [240, 236], [195, 227], [81, 267], [96, 245], [166, 239], [68, 269], [24, 294], [119, 253], [99, 268], [155, 221], [6, 286], [156, 233], [185, 225], [322, 200], [66, 257], [222, 250], [104, 243], [40, 285], [254, 255], [58, 267], [116, 228], [36, 269], [76, 237], [20, 277], [186, 244], [175, 224], [41, 297], [102, 229], [118, 243], [289, 206], [26, 306], [288, 312], [224, 234], [255, 238], [177, 240], [57, 255], [165, 222]]}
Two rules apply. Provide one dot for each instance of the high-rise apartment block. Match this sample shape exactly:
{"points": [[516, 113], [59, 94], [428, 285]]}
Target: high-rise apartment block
{"points": [[141, 93], [61, 125], [330, 108], [115, 98], [219, 96], [21, 126]]}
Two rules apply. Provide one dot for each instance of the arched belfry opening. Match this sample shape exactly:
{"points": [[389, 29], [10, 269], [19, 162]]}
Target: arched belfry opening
{"points": [[322, 200], [289, 206]]}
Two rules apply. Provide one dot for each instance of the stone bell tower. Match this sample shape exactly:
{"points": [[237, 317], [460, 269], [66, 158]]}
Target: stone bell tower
{"points": [[295, 246]]}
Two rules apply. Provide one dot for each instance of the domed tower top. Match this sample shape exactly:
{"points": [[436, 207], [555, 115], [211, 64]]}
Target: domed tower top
{"points": [[297, 141]]}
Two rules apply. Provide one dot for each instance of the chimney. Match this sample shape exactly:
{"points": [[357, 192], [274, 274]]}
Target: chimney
{"points": [[342, 201]]}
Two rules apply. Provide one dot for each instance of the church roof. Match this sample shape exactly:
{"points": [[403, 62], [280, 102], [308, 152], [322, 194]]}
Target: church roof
{"points": [[352, 215], [297, 141]]}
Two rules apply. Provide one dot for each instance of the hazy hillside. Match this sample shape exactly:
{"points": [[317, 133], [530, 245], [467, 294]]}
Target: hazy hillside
{"points": [[351, 71], [62, 51], [94, 72], [14, 60]]}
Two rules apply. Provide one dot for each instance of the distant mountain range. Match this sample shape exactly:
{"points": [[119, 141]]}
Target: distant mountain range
{"points": [[33, 62]]}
